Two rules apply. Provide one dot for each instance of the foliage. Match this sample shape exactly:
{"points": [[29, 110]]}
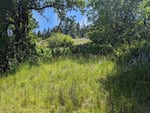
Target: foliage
{"points": [[68, 26], [60, 40], [138, 52], [6, 56], [117, 83], [128, 89], [16, 16], [118, 21], [57, 42], [43, 52]]}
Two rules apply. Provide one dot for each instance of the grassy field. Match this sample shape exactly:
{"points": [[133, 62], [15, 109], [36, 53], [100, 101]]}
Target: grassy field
{"points": [[62, 86], [76, 85]]}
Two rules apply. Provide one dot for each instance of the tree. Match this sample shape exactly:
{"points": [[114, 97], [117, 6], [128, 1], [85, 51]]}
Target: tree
{"points": [[46, 33], [67, 26], [83, 30], [6, 8], [114, 18], [39, 34], [17, 13], [72, 28], [78, 29]]}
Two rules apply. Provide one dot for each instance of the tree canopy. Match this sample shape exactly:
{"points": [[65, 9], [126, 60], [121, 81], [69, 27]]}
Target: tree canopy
{"points": [[16, 16], [115, 18]]}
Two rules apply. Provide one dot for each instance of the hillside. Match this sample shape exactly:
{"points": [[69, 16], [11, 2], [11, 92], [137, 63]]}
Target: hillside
{"points": [[75, 85], [65, 86], [75, 56]]}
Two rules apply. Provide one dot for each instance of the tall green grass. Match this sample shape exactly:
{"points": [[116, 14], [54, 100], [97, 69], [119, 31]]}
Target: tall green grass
{"points": [[64, 85], [76, 85]]}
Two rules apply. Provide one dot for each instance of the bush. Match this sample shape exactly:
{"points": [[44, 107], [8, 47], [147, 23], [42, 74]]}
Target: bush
{"points": [[92, 48], [134, 53], [58, 40], [59, 43], [15, 51], [43, 51]]}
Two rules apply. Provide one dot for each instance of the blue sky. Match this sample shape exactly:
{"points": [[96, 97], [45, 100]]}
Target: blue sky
{"points": [[50, 19]]}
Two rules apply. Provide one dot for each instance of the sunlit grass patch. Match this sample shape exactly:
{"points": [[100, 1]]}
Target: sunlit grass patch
{"points": [[81, 41], [65, 85]]}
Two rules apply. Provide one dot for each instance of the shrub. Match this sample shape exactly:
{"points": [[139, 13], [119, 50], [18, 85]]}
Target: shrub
{"points": [[134, 53], [43, 51], [59, 43], [15, 51], [58, 40]]}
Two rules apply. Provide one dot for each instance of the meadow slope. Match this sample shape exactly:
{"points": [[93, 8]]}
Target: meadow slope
{"points": [[62, 86], [76, 85]]}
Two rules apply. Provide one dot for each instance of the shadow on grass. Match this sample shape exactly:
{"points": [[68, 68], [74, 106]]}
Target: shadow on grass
{"points": [[78, 58], [129, 90], [91, 49], [13, 70]]}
